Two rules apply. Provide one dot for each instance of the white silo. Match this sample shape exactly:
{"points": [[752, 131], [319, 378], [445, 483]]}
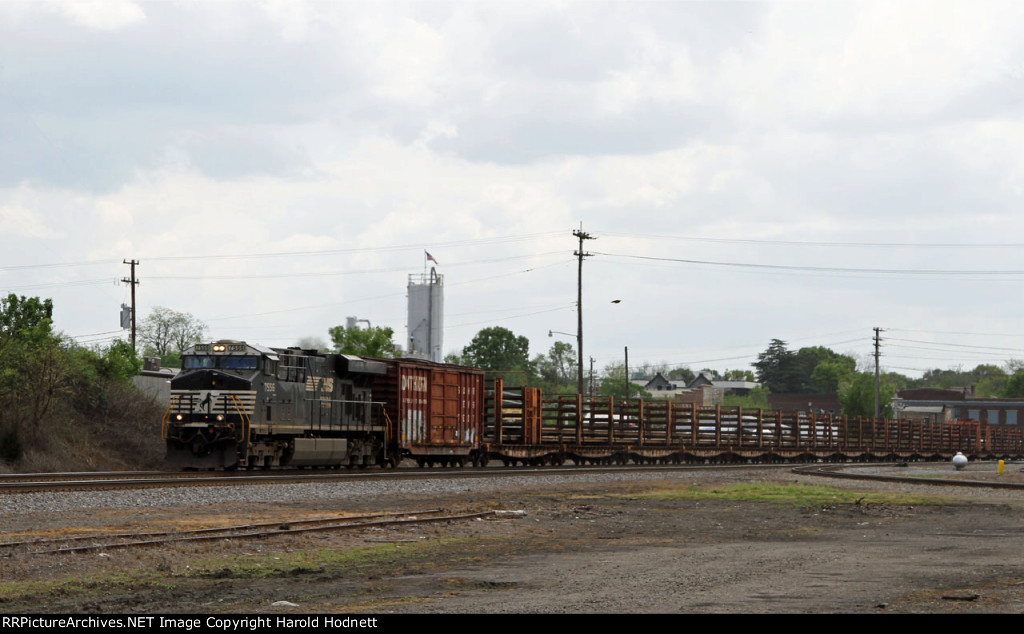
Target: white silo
{"points": [[426, 316]]}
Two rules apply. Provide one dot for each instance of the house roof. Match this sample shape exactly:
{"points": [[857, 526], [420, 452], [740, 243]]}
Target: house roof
{"points": [[704, 379]]}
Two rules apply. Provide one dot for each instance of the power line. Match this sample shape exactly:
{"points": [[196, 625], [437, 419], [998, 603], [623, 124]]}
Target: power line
{"points": [[957, 345], [953, 332], [886, 245], [280, 254], [261, 276], [816, 269]]}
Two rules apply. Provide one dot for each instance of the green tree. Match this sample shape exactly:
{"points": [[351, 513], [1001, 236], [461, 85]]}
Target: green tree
{"points": [[91, 371], [986, 379], [32, 370], [614, 384], [776, 368], [455, 359], [757, 398], [167, 333], [831, 375], [498, 349], [682, 374], [808, 360], [810, 369], [859, 397], [363, 342], [29, 320], [738, 375], [557, 370], [1014, 386], [119, 363]]}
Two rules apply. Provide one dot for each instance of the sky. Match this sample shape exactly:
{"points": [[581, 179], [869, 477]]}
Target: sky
{"points": [[748, 171]]}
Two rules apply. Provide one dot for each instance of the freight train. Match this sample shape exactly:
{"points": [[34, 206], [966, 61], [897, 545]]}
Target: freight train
{"points": [[241, 405]]}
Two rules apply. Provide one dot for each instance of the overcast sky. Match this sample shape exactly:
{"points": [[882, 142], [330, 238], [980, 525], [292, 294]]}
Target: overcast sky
{"points": [[805, 171]]}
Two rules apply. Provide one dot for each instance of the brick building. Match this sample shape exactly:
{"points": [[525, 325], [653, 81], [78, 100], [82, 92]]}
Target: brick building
{"points": [[932, 405]]}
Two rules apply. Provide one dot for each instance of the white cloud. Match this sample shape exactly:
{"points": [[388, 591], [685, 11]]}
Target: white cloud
{"points": [[879, 59], [101, 15], [157, 130], [17, 220], [659, 72]]}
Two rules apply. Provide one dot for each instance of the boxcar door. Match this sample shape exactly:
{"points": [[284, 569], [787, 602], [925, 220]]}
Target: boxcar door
{"points": [[444, 407]]}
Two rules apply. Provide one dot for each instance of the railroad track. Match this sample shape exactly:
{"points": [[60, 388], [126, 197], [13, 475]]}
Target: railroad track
{"points": [[111, 541], [24, 483], [849, 472], [34, 483]]}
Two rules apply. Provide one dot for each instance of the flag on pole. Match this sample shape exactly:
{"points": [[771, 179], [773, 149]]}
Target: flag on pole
{"points": [[430, 257]]}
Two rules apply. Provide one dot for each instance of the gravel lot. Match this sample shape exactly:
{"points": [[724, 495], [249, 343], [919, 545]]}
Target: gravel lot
{"points": [[586, 544]]}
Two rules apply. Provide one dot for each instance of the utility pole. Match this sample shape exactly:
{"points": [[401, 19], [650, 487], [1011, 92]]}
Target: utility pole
{"points": [[579, 307], [591, 377], [134, 282], [627, 373], [878, 342]]}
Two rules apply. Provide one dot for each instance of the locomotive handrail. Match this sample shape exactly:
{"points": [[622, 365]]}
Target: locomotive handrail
{"points": [[165, 423], [237, 402]]}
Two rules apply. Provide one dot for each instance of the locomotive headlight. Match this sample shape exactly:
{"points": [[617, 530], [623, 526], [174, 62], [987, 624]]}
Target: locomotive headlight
{"points": [[220, 417], [180, 417], [218, 348]]}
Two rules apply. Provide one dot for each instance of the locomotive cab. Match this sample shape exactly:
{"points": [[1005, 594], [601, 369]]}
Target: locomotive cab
{"points": [[213, 401]]}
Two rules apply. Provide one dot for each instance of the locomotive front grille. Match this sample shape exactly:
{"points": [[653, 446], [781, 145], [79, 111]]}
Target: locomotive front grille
{"points": [[224, 402]]}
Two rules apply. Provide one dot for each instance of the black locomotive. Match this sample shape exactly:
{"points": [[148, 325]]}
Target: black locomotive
{"points": [[236, 404]]}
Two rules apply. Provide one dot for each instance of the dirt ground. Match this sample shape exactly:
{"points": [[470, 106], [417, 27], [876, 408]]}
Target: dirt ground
{"points": [[585, 548]]}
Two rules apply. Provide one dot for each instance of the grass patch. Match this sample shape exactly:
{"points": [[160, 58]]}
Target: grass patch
{"points": [[13, 590], [796, 494], [364, 561], [327, 561]]}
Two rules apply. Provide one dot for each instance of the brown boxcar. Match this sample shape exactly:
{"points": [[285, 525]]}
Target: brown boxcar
{"points": [[435, 410]]}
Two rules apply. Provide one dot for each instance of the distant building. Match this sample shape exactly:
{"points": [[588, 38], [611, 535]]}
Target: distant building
{"points": [[155, 381], [703, 390], [819, 403], [936, 405], [659, 384]]}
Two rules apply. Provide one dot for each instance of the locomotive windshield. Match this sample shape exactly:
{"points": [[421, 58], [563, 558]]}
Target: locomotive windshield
{"points": [[239, 363], [224, 363], [199, 363]]}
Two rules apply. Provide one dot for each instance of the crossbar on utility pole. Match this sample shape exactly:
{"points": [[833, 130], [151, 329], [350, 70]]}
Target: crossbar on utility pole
{"points": [[579, 307]]}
